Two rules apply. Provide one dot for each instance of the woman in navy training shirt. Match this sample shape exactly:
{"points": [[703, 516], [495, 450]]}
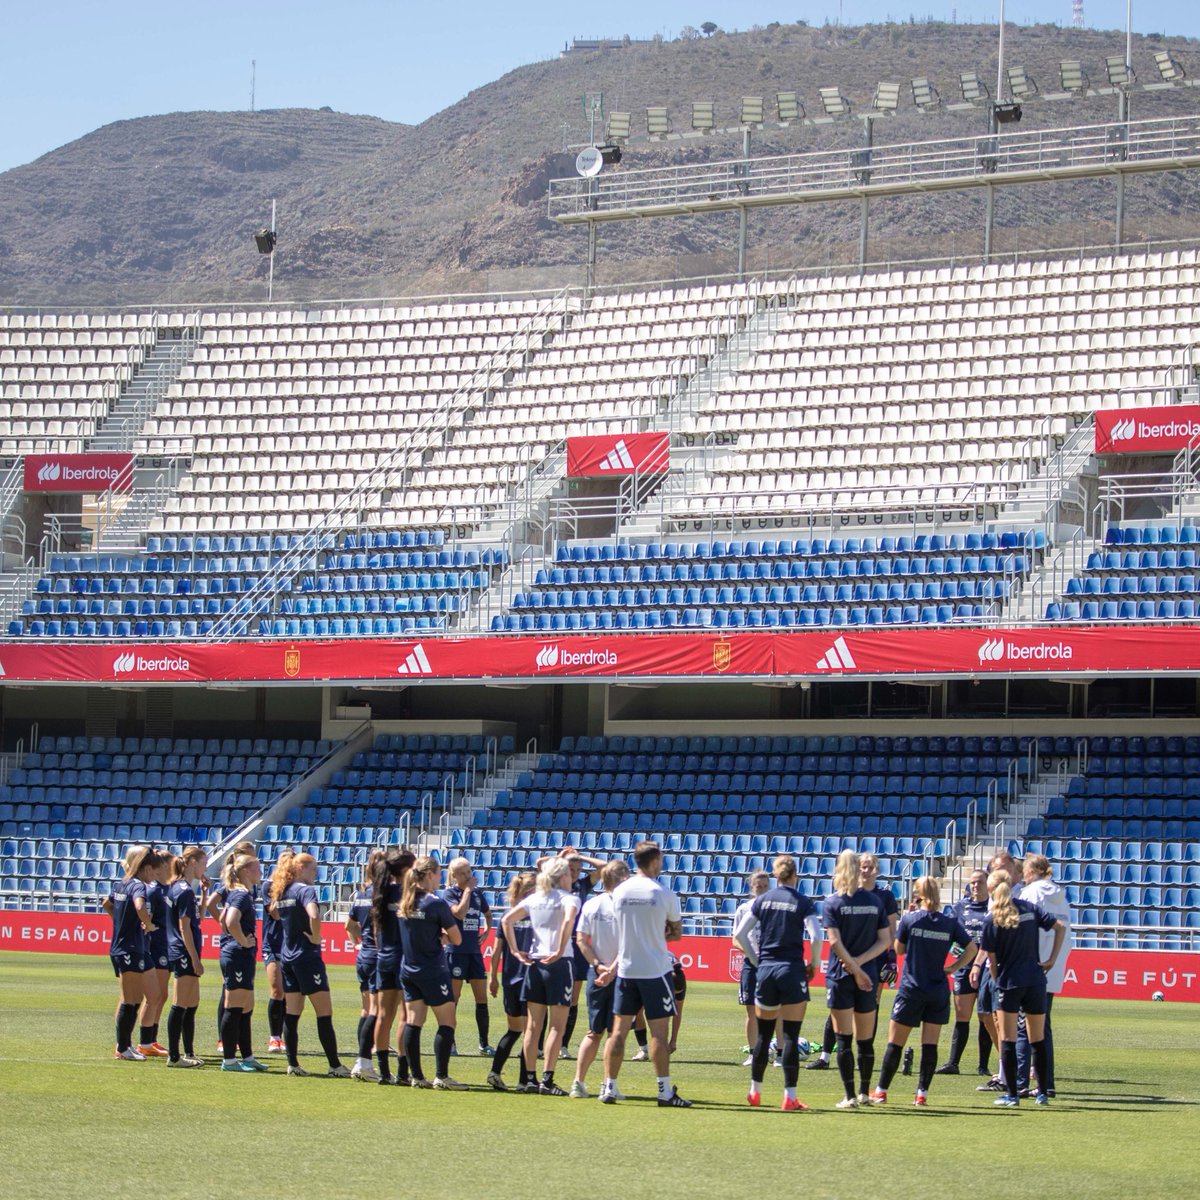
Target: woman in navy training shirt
{"points": [[129, 950], [926, 937], [239, 950], [426, 925], [158, 965], [184, 944], [386, 889], [361, 931], [212, 908], [971, 911], [508, 973], [859, 933], [780, 916], [1010, 941], [474, 917], [304, 976], [272, 948]]}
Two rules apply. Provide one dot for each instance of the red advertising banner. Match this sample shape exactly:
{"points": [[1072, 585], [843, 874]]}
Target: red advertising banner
{"points": [[1091, 974], [889, 653], [78, 472], [1147, 430], [619, 454]]}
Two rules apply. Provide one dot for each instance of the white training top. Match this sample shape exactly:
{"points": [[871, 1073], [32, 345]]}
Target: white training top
{"points": [[744, 922], [643, 907], [546, 914], [599, 922], [1051, 897]]}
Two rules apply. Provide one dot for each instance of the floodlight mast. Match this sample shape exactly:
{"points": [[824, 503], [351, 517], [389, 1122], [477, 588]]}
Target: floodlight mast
{"points": [[271, 259]]}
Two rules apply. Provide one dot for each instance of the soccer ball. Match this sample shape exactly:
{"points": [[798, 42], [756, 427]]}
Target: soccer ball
{"points": [[1158, 996], [805, 1047]]}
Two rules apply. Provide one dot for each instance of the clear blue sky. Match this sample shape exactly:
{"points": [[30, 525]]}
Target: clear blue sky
{"points": [[70, 66]]}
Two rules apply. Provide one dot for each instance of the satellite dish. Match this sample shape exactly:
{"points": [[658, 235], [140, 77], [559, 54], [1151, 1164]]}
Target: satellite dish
{"points": [[589, 162]]}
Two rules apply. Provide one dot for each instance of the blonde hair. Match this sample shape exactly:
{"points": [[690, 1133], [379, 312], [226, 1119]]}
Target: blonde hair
{"points": [[1039, 864], [368, 874], [235, 866], [551, 873], [755, 876], [457, 864], [928, 893], [863, 858], [614, 872], [1004, 910], [180, 863], [520, 887], [410, 897], [136, 857], [784, 867], [847, 875], [287, 871]]}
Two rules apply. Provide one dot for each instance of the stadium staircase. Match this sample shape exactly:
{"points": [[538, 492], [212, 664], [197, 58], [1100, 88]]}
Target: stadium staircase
{"points": [[478, 802]]}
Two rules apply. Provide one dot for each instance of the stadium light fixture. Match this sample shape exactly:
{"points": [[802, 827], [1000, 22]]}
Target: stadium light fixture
{"points": [[833, 102], [925, 95], [1020, 84], [887, 98], [788, 107], [658, 123], [1074, 78], [753, 111], [1008, 114], [974, 90], [619, 127], [704, 118], [1169, 67], [1120, 73]]}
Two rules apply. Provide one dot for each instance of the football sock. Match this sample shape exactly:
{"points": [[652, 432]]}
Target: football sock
{"points": [[642, 1037], [929, 1058], [221, 1012], [958, 1041], [985, 1046], [442, 1041], [146, 1034], [325, 1032], [291, 1038], [828, 1038], [174, 1031], [246, 1034], [402, 1068], [230, 1025], [189, 1031], [1040, 1064], [504, 1047], [762, 1046], [891, 1064], [483, 1023], [791, 1054], [385, 1065], [412, 1050], [866, 1064], [366, 1037], [126, 1020], [755, 1087], [845, 1061], [572, 1017], [1008, 1066], [275, 1011], [547, 1078], [665, 1090]]}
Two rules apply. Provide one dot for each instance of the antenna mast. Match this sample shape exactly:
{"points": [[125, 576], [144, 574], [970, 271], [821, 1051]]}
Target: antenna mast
{"points": [[254, 71], [1077, 14]]}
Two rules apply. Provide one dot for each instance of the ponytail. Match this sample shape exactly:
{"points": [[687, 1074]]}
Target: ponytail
{"points": [[847, 875], [410, 897], [394, 864], [287, 871], [551, 873], [1004, 910]]}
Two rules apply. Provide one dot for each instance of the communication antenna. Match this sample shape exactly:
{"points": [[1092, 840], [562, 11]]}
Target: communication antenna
{"points": [[1077, 14], [254, 71]]}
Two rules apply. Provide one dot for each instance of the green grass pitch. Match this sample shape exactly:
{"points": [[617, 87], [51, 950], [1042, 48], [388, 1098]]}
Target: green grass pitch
{"points": [[74, 1123]]}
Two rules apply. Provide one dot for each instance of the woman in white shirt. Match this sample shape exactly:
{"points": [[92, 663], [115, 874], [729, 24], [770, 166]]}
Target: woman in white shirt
{"points": [[551, 911]]}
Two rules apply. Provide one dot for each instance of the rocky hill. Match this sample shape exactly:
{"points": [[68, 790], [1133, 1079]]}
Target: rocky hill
{"points": [[162, 209]]}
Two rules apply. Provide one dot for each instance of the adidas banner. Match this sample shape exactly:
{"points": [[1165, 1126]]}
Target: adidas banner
{"points": [[90, 473], [1147, 430], [619, 454]]}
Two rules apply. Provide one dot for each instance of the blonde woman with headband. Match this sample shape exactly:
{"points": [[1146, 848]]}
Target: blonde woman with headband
{"points": [[926, 938], [859, 934], [550, 978], [1011, 943], [239, 950], [129, 950], [508, 978], [184, 943]]}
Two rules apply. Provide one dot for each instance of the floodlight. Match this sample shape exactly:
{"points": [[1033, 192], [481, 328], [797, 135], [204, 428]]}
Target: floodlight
{"points": [[887, 97], [788, 106], [658, 124], [1169, 67], [1074, 77], [834, 103], [925, 95], [1020, 84], [619, 126], [703, 117], [265, 241], [974, 90], [1008, 114], [1120, 73], [753, 111]]}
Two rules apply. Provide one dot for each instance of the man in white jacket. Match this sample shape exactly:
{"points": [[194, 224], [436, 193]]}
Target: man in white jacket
{"points": [[1041, 890]]}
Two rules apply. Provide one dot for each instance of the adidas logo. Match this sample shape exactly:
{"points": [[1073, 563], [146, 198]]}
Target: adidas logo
{"points": [[1123, 430], [49, 472], [618, 458], [547, 657], [837, 658], [1, 670], [992, 650], [417, 663]]}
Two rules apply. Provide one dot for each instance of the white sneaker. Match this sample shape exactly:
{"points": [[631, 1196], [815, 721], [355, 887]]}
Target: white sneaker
{"points": [[338, 1072], [365, 1074], [565, 1053], [299, 1072], [849, 1102], [579, 1090], [864, 1100], [616, 1092], [749, 1061], [643, 1055], [184, 1062], [608, 1095], [445, 1084], [192, 1060], [130, 1055]]}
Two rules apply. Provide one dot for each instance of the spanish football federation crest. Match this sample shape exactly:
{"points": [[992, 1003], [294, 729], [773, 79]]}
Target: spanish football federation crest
{"points": [[722, 656], [736, 958], [291, 662]]}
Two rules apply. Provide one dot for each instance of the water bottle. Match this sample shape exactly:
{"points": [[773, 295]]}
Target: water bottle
{"points": [[908, 1057]]}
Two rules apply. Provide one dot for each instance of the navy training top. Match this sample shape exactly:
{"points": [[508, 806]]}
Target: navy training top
{"points": [[858, 920], [512, 969], [472, 924], [421, 934], [387, 938], [128, 937], [272, 927], [1015, 951], [781, 913], [927, 938], [182, 908], [360, 911], [156, 901], [243, 900], [296, 923]]}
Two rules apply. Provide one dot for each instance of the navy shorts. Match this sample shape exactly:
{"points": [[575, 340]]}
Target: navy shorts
{"points": [[386, 977], [514, 1000], [364, 968], [600, 1003], [1030, 1000], [656, 996], [427, 985], [781, 983], [183, 967], [550, 983], [237, 968], [466, 966], [747, 983], [271, 953], [962, 983], [679, 983], [159, 960], [985, 1005], [580, 963], [914, 1007], [123, 963], [845, 993], [306, 976]]}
